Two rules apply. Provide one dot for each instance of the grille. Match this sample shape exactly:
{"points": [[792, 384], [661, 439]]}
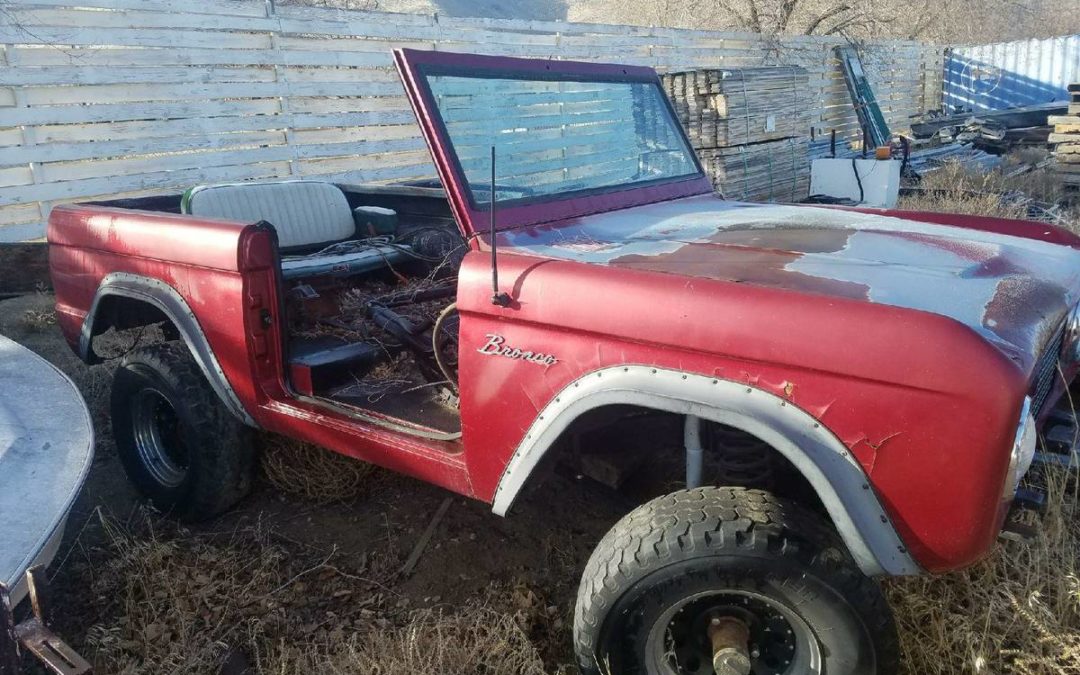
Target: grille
{"points": [[1046, 371]]}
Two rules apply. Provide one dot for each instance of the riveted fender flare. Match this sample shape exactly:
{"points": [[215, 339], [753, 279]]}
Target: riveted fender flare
{"points": [[820, 456], [164, 297]]}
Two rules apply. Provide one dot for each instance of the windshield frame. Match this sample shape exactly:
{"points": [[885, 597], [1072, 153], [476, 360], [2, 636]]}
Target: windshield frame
{"points": [[415, 66]]}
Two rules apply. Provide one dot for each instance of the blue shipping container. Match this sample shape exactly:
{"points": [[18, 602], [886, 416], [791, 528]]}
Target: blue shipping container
{"points": [[1010, 74]]}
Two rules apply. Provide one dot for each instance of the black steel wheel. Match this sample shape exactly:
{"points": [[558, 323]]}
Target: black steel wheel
{"points": [[179, 445], [159, 438], [729, 581]]}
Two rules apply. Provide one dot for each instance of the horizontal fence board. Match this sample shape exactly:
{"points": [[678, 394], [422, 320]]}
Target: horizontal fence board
{"points": [[120, 112], [215, 7], [152, 129], [21, 232], [11, 137], [75, 36], [74, 189], [129, 166], [99, 75], [19, 214], [101, 98], [61, 152], [31, 18], [116, 93]]}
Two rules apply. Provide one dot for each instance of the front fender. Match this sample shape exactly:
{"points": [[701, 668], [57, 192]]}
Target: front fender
{"points": [[820, 456]]}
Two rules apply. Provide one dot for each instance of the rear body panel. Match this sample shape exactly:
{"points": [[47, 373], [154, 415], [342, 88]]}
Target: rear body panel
{"points": [[227, 274]]}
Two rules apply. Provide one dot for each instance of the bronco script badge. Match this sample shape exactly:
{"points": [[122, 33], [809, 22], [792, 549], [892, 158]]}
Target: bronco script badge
{"points": [[496, 346]]}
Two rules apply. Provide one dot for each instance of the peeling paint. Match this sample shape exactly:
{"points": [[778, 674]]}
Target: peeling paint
{"points": [[1011, 290], [877, 446]]}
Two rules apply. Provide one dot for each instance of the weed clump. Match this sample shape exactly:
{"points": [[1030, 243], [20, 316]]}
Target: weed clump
{"points": [[313, 473], [1018, 611]]}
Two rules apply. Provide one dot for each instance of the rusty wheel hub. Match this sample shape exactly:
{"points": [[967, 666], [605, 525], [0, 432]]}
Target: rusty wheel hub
{"points": [[732, 633], [729, 638]]}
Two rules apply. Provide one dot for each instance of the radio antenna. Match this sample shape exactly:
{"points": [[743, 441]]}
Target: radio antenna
{"points": [[497, 298]]}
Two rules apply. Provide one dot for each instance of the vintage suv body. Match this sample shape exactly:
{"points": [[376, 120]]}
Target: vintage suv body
{"points": [[855, 392]]}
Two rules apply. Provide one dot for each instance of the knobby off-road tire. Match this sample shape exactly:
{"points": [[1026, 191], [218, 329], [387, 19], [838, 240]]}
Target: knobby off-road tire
{"points": [[728, 551], [178, 443]]}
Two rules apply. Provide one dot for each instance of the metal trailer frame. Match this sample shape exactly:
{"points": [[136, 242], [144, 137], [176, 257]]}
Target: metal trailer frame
{"points": [[34, 635]]}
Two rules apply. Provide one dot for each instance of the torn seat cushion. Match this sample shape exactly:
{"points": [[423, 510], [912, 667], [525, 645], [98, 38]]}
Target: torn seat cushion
{"points": [[304, 213]]}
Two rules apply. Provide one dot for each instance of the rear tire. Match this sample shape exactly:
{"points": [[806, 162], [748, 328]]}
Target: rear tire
{"points": [[679, 562], [179, 445]]}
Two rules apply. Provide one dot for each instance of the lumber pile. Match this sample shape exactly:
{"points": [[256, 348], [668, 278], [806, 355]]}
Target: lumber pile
{"points": [[770, 171], [1066, 141], [721, 108], [749, 128]]}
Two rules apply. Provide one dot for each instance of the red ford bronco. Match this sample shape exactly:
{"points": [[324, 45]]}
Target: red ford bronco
{"points": [[857, 393]]}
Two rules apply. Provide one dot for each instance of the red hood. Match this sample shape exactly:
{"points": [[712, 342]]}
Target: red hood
{"points": [[1012, 290]]}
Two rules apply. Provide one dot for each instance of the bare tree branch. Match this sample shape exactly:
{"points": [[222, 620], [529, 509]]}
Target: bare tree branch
{"points": [[944, 21], [814, 24]]}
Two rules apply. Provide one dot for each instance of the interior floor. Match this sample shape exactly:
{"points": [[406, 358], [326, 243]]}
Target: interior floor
{"points": [[381, 339]]}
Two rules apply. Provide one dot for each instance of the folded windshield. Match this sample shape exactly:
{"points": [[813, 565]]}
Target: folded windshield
{"points": [[558, 137]]}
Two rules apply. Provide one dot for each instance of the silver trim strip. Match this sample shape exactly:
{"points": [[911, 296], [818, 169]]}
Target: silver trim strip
{"points": [[822, 458]]}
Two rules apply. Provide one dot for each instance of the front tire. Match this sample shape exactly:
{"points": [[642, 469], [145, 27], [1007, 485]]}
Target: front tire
{"points": [[179, 445], [709, 555]]}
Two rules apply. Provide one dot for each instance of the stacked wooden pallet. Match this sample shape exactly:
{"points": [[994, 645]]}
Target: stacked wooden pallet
{"points": [[720, 108], [1066, 141], [770, 171], [749, 128]]}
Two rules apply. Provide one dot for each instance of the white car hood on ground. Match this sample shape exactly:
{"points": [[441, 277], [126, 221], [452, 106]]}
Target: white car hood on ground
{"points": [[46, 447]]}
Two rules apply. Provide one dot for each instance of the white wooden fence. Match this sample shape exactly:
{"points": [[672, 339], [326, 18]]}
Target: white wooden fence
{"points": [[108, 98]]}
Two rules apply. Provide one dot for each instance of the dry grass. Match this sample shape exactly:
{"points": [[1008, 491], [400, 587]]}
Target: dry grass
{"points": [[312, 472], [160, 599], [39, 319], [474, 639], [178, 606], [163, 600], [1016, 612], [957, 189]]}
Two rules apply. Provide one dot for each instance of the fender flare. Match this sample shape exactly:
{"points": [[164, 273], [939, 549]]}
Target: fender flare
{"points": [[166, 299], [816, 452]]}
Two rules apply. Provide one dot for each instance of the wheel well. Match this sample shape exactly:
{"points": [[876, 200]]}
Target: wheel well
{"points": [[123, 313], [640, 452]]}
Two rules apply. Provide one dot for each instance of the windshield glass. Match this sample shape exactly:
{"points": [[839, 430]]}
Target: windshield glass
{"points": [[558, 137]]}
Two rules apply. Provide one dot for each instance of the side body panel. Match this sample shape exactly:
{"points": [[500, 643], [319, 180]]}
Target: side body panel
{"points": [[196, 258], [932, 429], [226, 273]]}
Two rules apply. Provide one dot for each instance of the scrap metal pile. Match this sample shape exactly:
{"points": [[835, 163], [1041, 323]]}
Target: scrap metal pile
{"points": [[749, 128], [995, 131]]}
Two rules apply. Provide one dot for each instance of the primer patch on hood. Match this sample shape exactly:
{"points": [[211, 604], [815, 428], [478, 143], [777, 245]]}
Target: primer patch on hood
{"points": [[1013, 291]]}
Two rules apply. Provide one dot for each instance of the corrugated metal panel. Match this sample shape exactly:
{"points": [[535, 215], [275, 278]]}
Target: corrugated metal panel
{"points": [[1011, 74]]}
